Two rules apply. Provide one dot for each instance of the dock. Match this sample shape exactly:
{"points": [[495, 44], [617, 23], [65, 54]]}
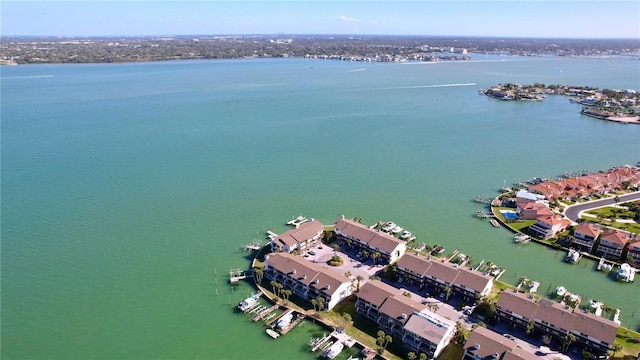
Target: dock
{"points": [[482, 200], [494, 222], [342, 337], [274, 319], [297, 221], [293, 324], [318, 343], [265, 312], [484, 214], [522, 238], [254, 246], [235, 275]]}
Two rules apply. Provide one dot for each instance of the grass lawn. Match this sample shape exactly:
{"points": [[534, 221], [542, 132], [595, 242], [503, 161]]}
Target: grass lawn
{"points": [[630, 341], [361, 328]]}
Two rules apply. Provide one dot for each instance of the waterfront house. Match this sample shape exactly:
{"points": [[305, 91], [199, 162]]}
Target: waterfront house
{"points": [[612, 242], [531, 210], [306, 279], [548, 226], [370, 239], [439, 273], [633, 253], [557, 320], [585, 235], [407, 320], [486, 344], [300, 238]]}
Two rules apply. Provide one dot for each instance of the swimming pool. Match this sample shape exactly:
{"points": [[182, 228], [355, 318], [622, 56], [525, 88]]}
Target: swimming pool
{"points": [[509, 214]]}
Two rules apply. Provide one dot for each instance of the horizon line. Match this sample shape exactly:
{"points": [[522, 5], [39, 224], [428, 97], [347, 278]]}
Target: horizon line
{"points": [[321, 34]]}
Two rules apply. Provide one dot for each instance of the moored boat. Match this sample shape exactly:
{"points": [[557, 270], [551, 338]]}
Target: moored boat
{"points": [[334, 350], [561, 290], [284, 321], [272, 333], [626, 273], [247, 303]]}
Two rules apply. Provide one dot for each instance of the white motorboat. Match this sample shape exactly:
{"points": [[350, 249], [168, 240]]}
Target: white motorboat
{"points": [[249, 302], [334, 350], [272, 333]]}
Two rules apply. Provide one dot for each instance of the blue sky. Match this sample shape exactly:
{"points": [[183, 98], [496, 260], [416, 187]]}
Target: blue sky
{"points": [[555, 19]]}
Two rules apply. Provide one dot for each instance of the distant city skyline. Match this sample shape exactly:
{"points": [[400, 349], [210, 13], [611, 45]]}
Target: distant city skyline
{"points": [[530, 19]]}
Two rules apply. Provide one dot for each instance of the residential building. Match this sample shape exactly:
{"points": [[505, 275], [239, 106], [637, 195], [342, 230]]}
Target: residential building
{"points": [[371, 296], [531, 210], [406, 320], [612, 242], [585, 235], [370, 239], [300, 238], [428, 333], [548, 226], [486, 344], [439, 273], [306, 279], [633, 254], [557, 320]]}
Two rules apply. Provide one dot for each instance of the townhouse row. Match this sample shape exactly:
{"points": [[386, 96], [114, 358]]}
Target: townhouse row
{"points": [[594, 333], [361, 236], [443, 275], [589, 184], [419, 329]]}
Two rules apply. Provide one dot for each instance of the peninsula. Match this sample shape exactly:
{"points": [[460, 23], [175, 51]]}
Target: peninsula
{"points": [[619, 105], [406, 297]]}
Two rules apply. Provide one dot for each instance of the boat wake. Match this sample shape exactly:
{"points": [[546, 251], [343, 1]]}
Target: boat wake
{"points": [[28, 77], [427, 86], [356, 70]]}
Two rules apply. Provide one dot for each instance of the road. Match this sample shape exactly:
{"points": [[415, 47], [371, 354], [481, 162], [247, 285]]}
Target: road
{"points": [[573, 212]]}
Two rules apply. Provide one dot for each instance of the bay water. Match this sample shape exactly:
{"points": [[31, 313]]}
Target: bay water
{"points": [[127, 189]]}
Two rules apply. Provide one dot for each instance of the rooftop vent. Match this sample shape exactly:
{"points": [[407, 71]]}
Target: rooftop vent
{"points": [[403, 316]]}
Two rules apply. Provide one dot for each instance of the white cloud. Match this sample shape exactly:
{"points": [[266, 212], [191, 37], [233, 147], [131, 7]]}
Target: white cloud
{"points": [[347, 19]]}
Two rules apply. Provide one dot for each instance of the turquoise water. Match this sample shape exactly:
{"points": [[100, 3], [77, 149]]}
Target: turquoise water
{"points": [[128, 188]]}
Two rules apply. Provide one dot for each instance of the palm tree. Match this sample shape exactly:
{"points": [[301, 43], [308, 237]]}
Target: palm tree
{"points": [[567, 341], [347, 274], [387, 340], [530, 328], [314, 302], [258, 273], [423, 356], [349, 243], [433, 307], [411, 355], [359, 279], [320, 303], [447, 292], [273, 286], [375, 256], [365, 254], [616, 347], [288, 293]]}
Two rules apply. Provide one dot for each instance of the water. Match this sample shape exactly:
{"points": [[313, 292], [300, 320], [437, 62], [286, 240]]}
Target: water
{"points": [[128, 188]]}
